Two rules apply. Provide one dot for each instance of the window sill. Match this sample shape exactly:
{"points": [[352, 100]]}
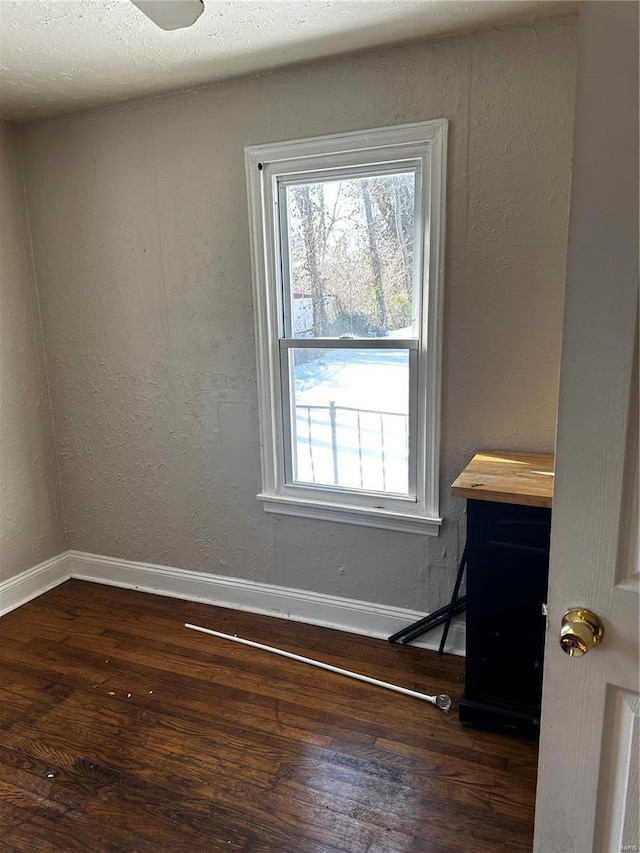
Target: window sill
{"points": [[365, 516]]}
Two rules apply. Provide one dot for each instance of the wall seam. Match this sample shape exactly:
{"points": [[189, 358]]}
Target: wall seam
{"points": [[60, 512]]}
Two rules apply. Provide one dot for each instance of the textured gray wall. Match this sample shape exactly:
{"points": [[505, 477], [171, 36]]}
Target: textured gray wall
{"points": [[31, 528], [141, 240]]}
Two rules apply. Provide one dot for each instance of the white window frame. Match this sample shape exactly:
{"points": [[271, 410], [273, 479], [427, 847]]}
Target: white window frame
{"points": [[423, 142]]}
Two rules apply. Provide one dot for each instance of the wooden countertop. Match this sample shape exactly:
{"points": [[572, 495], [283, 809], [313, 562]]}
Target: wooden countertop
{"points": [[505, 477]]}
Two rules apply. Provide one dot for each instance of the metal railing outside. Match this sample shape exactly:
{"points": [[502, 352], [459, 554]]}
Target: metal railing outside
{"points": [[389, 443]]}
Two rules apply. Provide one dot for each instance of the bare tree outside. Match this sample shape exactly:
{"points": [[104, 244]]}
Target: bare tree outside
{"points": [[351, 248]]}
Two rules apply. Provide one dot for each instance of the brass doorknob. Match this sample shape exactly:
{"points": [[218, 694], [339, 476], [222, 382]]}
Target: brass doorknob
{"points": [[581, 631]]}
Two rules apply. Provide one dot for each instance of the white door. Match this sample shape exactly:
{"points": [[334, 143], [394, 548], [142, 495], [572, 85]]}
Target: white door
{"points": [[590, 739]]}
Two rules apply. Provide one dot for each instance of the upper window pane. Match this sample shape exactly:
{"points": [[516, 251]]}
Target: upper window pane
{"points": [[348, 258]]}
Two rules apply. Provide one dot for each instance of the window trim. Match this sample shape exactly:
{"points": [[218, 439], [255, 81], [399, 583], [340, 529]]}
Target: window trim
{"points": [[424, 141]]}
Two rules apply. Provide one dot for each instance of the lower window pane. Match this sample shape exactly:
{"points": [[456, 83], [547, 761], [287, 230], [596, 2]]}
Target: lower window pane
{"points": [[350, 418]]}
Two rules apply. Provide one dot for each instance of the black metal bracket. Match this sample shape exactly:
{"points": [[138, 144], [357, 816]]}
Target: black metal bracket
{"points": [[443, 614]]}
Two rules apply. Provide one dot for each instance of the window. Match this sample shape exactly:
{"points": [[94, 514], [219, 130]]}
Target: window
{"points": [[347, 248]]}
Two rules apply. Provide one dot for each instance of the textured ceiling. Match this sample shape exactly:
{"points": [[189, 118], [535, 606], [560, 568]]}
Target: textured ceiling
{"points": [[65, 55]]}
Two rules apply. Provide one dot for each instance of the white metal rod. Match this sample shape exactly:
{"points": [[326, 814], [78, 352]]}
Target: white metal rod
{"points": [[441, 700]]}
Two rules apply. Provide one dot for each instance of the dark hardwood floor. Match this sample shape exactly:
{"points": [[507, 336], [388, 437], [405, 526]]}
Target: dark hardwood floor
{"points": [[122, 731]]}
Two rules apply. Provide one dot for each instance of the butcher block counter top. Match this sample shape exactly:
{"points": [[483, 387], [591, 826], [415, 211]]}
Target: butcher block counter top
{"points": [[506, 477]]}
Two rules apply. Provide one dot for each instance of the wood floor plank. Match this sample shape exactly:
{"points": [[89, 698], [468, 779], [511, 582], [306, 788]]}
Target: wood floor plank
{"points": [[120, 730], [146, 811], [305, 639]]}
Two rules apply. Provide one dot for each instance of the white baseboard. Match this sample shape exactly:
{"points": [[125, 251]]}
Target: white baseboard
{"points": [[344, 614], [358, 617], [33, 582]]}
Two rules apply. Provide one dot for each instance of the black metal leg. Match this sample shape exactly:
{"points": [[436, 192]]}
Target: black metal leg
{"points": [[454, 599], [443, 614], [413, 631], [422, 624]]}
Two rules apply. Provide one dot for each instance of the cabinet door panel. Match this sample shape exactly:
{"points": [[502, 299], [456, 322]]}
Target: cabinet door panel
{"points": [[506, 588]]}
